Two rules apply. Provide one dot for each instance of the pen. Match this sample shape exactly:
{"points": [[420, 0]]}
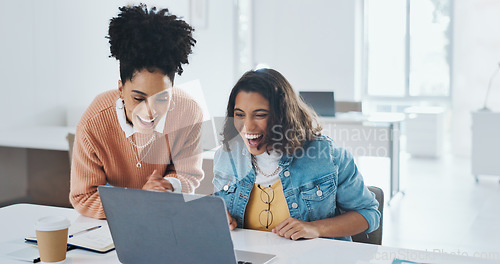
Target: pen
{"points": [[68, 248], [86, 230]]}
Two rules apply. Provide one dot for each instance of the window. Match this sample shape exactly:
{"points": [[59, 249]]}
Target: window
{"points": [[407, 49], [243, 40]]}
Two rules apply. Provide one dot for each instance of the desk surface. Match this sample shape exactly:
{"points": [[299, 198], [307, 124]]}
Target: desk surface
{"points": [[17, 221], [374, 119], [37, 137]]}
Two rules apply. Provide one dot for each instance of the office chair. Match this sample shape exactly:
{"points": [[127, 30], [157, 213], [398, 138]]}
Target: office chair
{"points": [[374, 237]]}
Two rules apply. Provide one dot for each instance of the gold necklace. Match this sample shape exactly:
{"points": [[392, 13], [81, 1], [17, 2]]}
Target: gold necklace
{"points": [[139, 160], [143, 146], [254, 162]]}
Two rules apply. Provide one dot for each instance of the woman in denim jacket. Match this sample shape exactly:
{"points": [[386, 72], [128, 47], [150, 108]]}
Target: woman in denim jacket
{"points": [[277, 173]]}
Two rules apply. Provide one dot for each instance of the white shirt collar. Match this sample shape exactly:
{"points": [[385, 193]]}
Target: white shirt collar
{"points": [[271, 158], [127, 128]]}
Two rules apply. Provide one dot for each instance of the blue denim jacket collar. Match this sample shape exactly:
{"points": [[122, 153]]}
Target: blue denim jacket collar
{"points": [[238, 147]]}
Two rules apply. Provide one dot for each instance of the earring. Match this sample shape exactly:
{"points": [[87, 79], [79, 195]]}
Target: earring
{"points": [[173, 106], [120, 103]]}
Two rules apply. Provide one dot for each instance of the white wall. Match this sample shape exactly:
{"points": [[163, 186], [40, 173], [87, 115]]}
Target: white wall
{"points": [[312, 43], [212, 61], [476, 56], [54, 55]]}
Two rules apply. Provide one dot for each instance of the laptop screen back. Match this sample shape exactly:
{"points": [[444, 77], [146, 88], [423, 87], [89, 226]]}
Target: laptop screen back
{"points": [[323, 103], [161, 227]]}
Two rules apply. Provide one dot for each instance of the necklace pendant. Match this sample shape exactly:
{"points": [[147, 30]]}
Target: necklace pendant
{"points": [[138, 165]]}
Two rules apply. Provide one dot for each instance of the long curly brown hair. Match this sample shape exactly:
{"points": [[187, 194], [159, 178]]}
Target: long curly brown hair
{"points": [[291, 121]]}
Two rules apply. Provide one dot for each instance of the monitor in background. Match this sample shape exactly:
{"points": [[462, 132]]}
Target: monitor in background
{"points": [[323, 103]]}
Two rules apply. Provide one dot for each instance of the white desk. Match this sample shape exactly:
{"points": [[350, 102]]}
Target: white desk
{"points": [[37, 137], [17, 221], [375, 135]]}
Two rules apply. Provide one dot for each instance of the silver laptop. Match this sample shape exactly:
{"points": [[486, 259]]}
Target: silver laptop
{"points": [[164, 227]]}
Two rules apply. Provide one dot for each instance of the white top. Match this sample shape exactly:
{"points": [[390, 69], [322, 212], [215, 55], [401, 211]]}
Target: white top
{"points": [[267, 164]]}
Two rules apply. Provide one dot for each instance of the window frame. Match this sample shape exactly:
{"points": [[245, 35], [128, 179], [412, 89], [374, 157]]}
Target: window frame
{"points": [[443, 99]]}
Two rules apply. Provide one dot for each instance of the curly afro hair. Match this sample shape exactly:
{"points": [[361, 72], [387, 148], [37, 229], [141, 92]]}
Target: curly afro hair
{"points": [[142, 39]]}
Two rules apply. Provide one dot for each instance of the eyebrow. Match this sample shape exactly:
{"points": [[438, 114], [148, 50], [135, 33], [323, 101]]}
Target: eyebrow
{"points": [[139, 92], [256, 110]]}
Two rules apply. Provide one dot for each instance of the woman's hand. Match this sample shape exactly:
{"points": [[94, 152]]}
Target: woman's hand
{"points": [[157, 183], [232, 222], [294, 229]]}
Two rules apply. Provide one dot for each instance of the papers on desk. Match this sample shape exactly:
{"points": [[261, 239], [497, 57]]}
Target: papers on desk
{"points": [[98, 240], [25, 254]]}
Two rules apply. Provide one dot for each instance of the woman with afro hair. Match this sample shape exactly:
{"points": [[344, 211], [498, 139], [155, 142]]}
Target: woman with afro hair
{"points": [[146, 133]]}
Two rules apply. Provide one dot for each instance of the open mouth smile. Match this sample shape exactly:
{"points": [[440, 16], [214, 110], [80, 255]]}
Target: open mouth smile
{"points": [[146, 122], [254, 139]]}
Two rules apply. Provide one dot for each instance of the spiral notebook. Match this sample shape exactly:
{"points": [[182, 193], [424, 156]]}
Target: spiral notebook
{"points": [[96, 240]]}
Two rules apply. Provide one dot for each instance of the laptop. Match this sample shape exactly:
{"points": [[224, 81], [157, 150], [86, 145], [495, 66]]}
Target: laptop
{"points": [[323, 103], [164, 227]]}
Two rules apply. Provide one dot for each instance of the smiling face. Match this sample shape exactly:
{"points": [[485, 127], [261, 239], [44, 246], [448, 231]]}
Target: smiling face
{"points": [[251, 114], [146, 99]]}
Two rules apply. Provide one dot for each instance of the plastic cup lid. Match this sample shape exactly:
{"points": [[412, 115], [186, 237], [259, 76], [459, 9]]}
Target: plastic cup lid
{"points": [[51, 223]]}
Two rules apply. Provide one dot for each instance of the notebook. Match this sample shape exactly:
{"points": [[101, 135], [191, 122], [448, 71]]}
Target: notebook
{"points": [[164, 227], [97, 239]]}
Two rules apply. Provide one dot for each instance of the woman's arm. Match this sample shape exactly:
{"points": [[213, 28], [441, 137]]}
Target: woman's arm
{"points": [[184, 140], [348, 224], [86, 175], [352, 194], [353, 197]]}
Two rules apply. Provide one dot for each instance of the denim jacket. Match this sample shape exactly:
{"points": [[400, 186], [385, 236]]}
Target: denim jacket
{"points": [[319, 181]]}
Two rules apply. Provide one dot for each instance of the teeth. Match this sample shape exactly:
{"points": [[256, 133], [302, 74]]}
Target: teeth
{"points": [[250, 136], [146, 120]]}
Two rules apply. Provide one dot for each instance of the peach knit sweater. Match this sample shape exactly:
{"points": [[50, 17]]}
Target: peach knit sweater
{"points": [[103, 155]]}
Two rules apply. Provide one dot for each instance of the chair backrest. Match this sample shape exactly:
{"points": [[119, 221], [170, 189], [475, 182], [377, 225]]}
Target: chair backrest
{"points": [[71, 140], [348, 106], [374, 237]]}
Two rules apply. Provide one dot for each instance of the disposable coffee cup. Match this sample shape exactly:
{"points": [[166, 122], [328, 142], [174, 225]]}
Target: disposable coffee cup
{"points": [[52, 238]]}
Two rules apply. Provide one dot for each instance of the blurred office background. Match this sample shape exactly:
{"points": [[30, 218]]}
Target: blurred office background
{"points": [[432, 61]]}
